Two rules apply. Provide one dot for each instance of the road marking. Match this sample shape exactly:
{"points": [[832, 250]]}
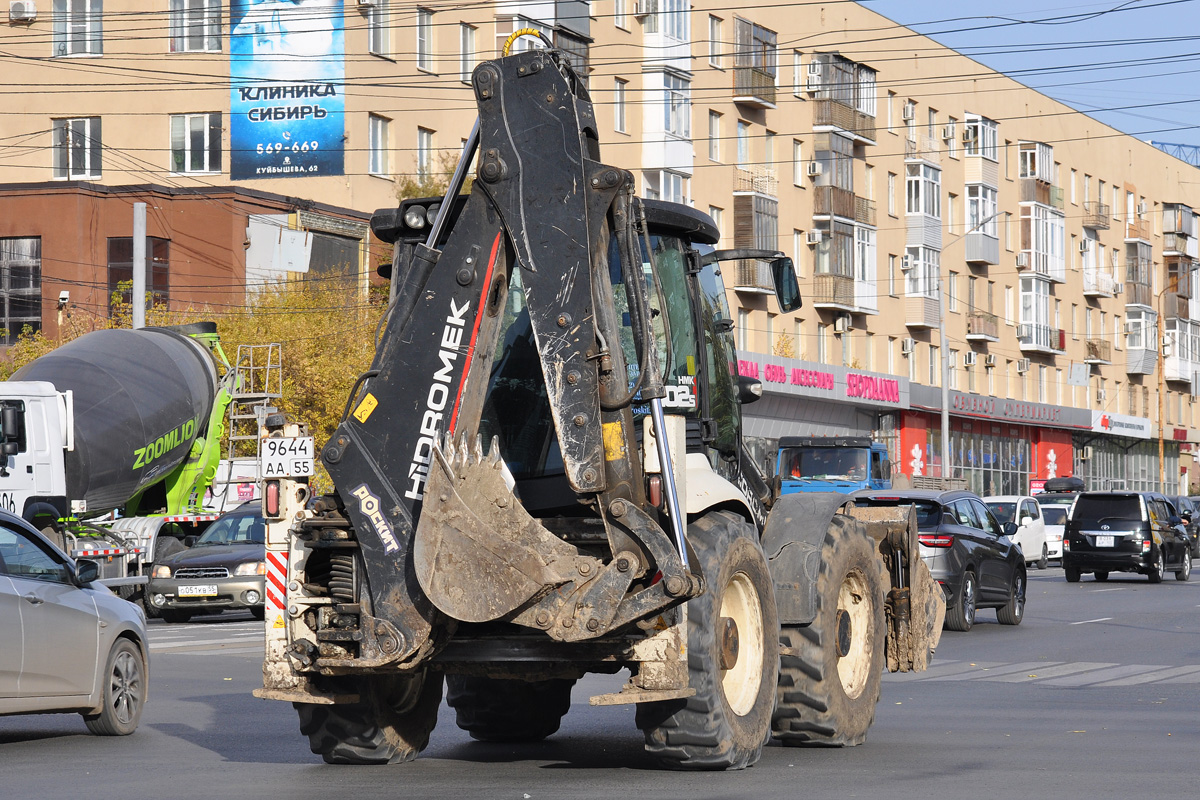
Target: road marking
{"points": [[1086, 621], [1099, 676], [1053, 672], [990, 672], [1114, 589], [198, 643], [1151, 677]]}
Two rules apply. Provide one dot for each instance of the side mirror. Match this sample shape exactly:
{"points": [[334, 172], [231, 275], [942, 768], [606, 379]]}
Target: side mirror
{"points": [[749, 389], [1026, 521], [188, 541], [1009, 528], [86, 571], [787, 289]]}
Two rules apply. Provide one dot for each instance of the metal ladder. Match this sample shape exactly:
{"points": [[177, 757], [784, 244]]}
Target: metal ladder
{"points": [[259, 382]]}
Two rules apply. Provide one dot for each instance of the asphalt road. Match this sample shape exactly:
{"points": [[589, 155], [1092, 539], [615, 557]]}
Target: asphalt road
{"points": [[1094, 695]]}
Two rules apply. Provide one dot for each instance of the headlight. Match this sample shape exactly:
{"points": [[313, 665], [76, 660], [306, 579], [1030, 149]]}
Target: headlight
{"points": [[414, 217], [251, 568], [161, 571]]}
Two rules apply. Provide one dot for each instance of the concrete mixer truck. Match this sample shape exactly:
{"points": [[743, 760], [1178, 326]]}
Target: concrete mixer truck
{"points": [[124, 421]]}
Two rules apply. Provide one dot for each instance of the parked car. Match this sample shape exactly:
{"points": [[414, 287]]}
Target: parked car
{"points": [[1190, 512], [1125, 532], [224, 569], [1031, 529], [969, 553], [1055, 501], [67, 643]]}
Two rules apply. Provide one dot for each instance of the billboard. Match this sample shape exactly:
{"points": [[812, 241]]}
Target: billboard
{"points": [[287, 73]]}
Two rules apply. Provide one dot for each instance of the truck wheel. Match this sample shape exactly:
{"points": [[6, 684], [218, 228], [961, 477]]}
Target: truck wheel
{"points": [[733, 657], [832, 670], [960, 612], [501, 710], [123, 692], [390, 724]]}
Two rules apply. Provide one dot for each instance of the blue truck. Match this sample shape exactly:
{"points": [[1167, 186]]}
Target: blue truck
{"points": [[832, 464]]}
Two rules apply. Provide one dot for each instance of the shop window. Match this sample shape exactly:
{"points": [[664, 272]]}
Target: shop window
{"points": [[120, 270]]}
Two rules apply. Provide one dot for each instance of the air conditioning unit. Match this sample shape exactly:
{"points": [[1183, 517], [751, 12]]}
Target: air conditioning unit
{"points": [[814, 68], [948, 133], [969, 358], [1118, 288], [1101, 395], [815, 237], [1141, 207], [989, 360], [22, 11], [814, 169], [365, 4], [906, 346], [905, 263], [1085, 245], [1085, 453], [909, 111], [1022, 260], [1022, 365], [841, 323]]}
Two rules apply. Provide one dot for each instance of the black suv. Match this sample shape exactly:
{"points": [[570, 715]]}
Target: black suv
{"points": [[1186, 508], [1125, 532]]}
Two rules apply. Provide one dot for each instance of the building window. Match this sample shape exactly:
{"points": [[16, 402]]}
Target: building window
{"points": [[77, 27], [678, 106], [935, 366], [196, 142], [466, 52], [981, 205], [924, 266], [924, 190], [799, 80], [667, 185], [669, 15], [951, 137], [620, 14], [619, 105], [892, 275], [424, 153], [743, 329], [798, 168], [714, 41], [425, 39], [377, 143], [891, 194], [195, 26], [980, 137], [743, 143], [714, 136], [120, 270], [378, 29], [952, 291], [718, 216], [77, 148], [20, 286]]}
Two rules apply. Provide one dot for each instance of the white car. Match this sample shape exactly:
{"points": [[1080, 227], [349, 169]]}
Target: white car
{"points": [[1054, 515], [1031, 529]]}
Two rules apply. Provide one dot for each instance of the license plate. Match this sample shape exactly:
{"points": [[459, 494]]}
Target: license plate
{"points": [[208, 590], [1105, 541]]}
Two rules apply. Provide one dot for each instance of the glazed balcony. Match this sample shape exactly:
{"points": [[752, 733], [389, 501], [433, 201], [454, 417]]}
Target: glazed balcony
{"points": [[921, 311], [864, 211], [925, 148], [1138, 294]]}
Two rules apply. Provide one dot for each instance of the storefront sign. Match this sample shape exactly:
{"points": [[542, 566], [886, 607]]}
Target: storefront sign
{"points": [[287, 68], [963, 404], [1121, 425], [1179, 434], [792, 377]]}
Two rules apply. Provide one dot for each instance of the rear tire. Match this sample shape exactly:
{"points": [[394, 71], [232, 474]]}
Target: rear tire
{"points": [[1072, 573], [1185, 569], [390, 724], [960, 614], [1157, 567], [1044, 561], [1012, 612], [171, 615], [1100, 575], [258, 612], [826, 698], [728, 721], [123, 693], [501, 710]]}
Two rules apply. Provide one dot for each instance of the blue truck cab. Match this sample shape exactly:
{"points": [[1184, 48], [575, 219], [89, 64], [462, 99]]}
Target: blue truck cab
{"points": [[832, 464]]}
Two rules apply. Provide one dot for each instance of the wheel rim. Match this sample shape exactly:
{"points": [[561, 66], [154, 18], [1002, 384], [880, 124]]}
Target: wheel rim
{"points": [[1187, 564], [126, 687], [741, 681], [1019, 596], [854, 632], [968, 600], [1159, 564]]}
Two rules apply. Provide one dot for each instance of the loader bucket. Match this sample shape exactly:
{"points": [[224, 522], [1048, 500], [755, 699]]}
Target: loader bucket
{"points": [[916, 606]]}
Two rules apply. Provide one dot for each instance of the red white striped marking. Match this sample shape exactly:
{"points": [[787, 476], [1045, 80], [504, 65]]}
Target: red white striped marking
{"points": [[106, 552], [192, 518], [276, 581]]}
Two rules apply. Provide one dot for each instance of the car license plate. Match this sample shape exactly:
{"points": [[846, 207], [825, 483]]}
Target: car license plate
{"points": [[1105, 541], [205, 590]]}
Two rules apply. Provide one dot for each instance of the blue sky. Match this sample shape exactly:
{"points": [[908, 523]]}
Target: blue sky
{"points": [[1091, 56]]}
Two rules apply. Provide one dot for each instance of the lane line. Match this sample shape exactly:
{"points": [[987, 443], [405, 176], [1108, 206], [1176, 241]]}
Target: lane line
{"points": [[1099, 676], [1164, 675], [1055, 672], [1114, 589], [990, 672], [1086, 621], [199, 643]]}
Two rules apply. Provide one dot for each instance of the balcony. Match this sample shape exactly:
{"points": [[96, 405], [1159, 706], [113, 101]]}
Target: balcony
{"points": [[1096, 215], [1034, 190], [920, 311], [982, 248], [1099, 351], [864, 211], [831, 113], [756, 179], [1041, 338], [833, 292], [1176, 305], [753, 277], [1140, 361], [753, 87], [983, 327], [832, 201], [925, 148], [1098, 284], [1138, 294], [1137, 229], [1178, 244]]}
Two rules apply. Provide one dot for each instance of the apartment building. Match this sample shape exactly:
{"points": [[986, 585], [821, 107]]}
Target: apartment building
{"points": [[960, 239]]}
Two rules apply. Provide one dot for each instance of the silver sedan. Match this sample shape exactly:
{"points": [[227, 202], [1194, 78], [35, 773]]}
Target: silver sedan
{"points": [[68, 643]]}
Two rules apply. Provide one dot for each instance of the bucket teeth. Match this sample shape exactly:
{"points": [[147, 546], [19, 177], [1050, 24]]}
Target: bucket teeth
{"points": [[478, 448], [494, 452]]}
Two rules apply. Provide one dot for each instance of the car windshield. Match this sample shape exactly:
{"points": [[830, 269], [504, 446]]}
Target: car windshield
{"points": [[1055, 515], [929, 512], [1003, 512], [824, 463], [241, 529]]}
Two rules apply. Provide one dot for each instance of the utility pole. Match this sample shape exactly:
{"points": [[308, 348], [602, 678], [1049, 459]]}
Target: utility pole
{"points": [[139, 265]]}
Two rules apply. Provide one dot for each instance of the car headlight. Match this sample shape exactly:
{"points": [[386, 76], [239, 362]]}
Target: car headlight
{"points": [[251, 568], [161, 571]]}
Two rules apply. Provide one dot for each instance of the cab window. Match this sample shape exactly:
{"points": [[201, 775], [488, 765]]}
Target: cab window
{"points": [[987, 522], [965, 514], [23, 557]]}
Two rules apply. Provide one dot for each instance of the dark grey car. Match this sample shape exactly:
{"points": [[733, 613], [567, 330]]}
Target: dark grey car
{"points": [[1139, 532], [970, 554]]}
